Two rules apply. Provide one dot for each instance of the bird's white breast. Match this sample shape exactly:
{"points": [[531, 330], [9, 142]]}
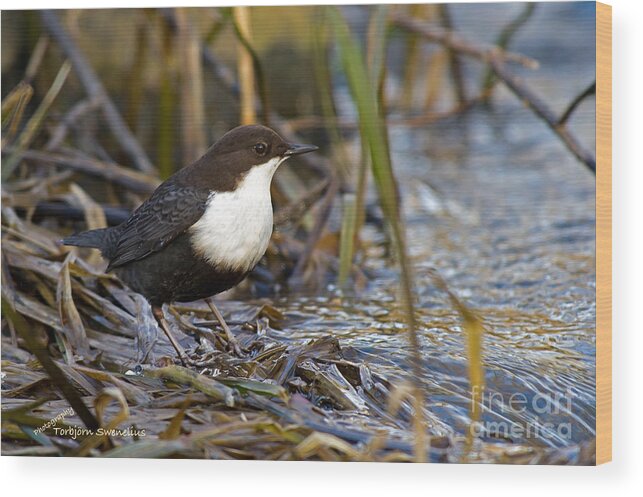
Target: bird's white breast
{"points": [[235, 229]]}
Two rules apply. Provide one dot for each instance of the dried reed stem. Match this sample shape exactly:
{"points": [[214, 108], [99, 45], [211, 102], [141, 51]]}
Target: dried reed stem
{"points": [[245, 67]]}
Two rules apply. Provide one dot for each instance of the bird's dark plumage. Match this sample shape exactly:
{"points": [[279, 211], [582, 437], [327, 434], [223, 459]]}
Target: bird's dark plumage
{"points": [[153, 251], [169, 212]]}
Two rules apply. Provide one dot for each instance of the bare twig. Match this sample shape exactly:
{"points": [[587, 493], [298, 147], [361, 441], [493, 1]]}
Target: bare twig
{"points": [[542, 110], [295, 210], [76, 112], [315, 234], [220, 71], [422, 119], [459, 45], [503, 41], [132, 180], [496, 58], [113, 215], [95, 89], [590, 90], [454, 61]]}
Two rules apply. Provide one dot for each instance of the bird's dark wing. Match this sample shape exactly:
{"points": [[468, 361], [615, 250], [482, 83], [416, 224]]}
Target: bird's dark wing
{"points": [[165, 215]]}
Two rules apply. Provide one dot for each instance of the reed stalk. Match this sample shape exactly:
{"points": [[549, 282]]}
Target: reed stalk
{"points": [[373, 131], [245, 67], [166, 106], [192, 102], [134, 82]]}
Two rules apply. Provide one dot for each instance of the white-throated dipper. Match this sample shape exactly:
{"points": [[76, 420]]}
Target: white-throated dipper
{"points": [[203, 229]]}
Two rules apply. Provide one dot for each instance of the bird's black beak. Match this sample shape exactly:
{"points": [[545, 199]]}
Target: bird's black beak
{"points": [[297, 149]]}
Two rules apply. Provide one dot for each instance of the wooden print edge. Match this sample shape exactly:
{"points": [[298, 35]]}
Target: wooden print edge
{"points": [[603, 233]]}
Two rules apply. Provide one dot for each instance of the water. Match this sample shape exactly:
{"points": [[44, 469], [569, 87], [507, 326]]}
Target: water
{"points": [[512, 232], [506, 214]]}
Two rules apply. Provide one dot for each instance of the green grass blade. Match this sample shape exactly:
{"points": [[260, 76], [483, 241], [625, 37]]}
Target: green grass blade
{"points": [[166, 106], [347, 238], [373, 131]]}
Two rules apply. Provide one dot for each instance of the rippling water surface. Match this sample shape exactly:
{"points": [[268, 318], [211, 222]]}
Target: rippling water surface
{"points": [[504, 212]]}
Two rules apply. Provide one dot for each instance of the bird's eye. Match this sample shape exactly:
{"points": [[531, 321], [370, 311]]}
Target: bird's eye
{"points": [[261, 148]]}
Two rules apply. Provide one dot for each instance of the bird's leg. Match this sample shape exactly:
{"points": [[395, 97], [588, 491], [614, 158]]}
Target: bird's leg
{"points": [[232, 341], [160, 319]]}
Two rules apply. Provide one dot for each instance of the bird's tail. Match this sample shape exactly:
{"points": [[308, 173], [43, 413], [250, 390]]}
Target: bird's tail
{"points": [[92, 238]]}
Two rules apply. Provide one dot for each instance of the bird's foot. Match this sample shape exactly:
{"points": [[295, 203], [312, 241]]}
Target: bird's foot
{"points": [[186, 360], [180, 352], [233, 344]]}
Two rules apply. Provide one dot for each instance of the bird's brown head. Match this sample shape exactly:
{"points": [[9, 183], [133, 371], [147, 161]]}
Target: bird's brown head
{"points": [[242, 150]]}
